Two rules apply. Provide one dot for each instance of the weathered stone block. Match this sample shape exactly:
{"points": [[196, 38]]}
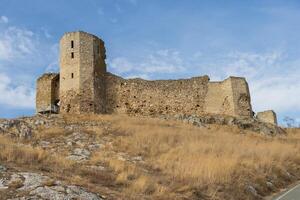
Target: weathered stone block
{"points": [[268, 116]]}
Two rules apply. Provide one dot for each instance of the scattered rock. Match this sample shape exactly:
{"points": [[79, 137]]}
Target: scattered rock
{"points": [[250, 189], [79, 154], [243, 123], [83, 152], [33, 180], [37, 186], [270, 185], [45, 144], [2, 169], [93, 147]]}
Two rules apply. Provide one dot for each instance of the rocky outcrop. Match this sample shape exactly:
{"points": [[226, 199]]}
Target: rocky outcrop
{"points": [[17, 127], [242, 123], [29, 186]]}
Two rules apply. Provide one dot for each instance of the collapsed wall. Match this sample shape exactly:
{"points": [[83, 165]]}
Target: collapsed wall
{"points": [[194, 96], [268, 116], [155, 97], [230, 97], [184, 96], [47, 93]]}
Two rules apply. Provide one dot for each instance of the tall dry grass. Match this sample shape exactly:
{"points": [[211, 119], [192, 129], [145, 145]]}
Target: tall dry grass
{"points": [[179, 161], [213, 157]]}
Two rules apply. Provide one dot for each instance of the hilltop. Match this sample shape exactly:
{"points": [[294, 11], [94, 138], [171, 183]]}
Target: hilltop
{"points": [[123, 157]]}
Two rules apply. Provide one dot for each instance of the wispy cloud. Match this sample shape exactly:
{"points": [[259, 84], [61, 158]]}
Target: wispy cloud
{"points": [[16, 96], [16, 43], [3, 19], [23, 53], [160, 62]]}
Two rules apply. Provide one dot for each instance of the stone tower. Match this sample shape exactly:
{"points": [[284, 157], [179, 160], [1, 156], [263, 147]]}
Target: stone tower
{"points": [[82, 70]]}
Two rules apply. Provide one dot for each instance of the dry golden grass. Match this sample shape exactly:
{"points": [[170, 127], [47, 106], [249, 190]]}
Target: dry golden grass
{"points": [[12, 151], [48, 133], [178, 160], [203, 157], [26, 157]]}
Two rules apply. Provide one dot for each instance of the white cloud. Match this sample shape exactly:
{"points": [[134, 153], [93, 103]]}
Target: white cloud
{"points": [[23, 53], [16, 43], [3, 19], [163, 61], [19, 96]]}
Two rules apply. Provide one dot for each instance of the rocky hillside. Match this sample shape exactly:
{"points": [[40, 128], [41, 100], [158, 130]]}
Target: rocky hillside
{"points": [[121, 157]]}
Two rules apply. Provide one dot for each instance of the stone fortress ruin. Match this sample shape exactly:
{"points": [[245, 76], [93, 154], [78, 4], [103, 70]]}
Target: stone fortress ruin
{"points": [[84, 86]]}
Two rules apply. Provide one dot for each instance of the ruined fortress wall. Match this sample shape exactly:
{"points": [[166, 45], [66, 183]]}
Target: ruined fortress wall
{"points": [[186, 96], [230, 97], [155, 97], [219, 98], [47, 93], [86, 87], [241, 97], [268, 116]]}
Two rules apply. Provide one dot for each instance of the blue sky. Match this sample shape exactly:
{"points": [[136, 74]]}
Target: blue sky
{"points": [[158, 39]]}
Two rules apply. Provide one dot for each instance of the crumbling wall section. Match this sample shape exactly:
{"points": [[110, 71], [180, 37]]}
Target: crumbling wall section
{"points": [[241, 97], [229, 97], [134, 96], [268, 116], [193, 96], [47, 93], [219, 98]]}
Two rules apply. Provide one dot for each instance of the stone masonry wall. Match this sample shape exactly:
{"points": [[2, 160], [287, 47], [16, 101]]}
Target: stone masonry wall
{"points": [[185, 96], [230, 97], [47, 93], [81, 63], [241, 97], [268, 116], [86, 87]]}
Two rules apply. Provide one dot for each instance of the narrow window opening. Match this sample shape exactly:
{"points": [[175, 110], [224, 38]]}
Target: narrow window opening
{"points": [[72, 75], [72, 44], [72, 55]]}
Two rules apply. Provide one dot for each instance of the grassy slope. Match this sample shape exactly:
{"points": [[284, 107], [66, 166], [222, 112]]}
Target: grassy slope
{"points": [[176, 160]]}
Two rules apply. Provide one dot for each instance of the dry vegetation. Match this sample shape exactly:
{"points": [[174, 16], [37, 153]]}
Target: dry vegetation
{"points": [[155, 159]]}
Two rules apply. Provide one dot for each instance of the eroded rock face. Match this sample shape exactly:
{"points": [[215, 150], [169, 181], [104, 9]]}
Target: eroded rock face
{"points": [[243, 123], [27, 185], [19, 127]]}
